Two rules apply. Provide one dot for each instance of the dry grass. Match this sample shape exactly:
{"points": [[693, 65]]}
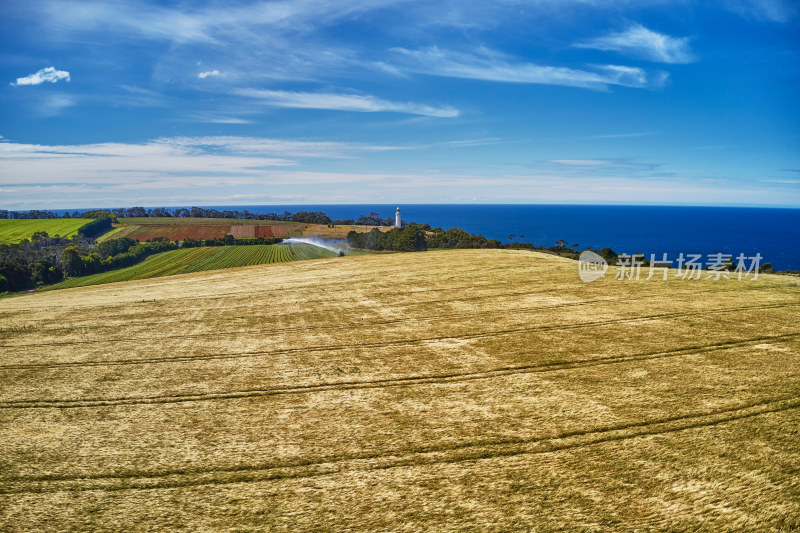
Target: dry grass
{"points": [[453, 390]]}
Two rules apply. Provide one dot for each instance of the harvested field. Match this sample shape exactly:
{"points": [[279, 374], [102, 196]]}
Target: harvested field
{"points": [[195, 221], [179, 232], [256, 231], [451, 390], [212, 228]]}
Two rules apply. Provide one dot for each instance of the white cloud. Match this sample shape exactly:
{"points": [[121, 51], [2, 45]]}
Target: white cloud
{"points": [[490, 65], [281, 147], [226, 120], [165, 159], [191, 170], [343, 102], [621, 135], [210, 74], [770, 10], [49, 74], [640, 42], [582, 162], [54, 104], [629, 167], [212, 23]]}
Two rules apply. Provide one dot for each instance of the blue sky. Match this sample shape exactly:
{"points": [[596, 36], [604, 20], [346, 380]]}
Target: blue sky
{"points": [[119, 103]]}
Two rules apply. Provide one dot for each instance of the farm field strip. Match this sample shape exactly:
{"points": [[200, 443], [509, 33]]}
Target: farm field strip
{"points": [[676, 287], [272, 331], [195, 221], [403, 341], [14, 231], [180, 308], [221, 332], [470, 451], [281, 228], [189, 260], [404, 381]]}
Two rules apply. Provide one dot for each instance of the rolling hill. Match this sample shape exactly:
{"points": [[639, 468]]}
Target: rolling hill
{"points": [[464, 390], [188, 260]]}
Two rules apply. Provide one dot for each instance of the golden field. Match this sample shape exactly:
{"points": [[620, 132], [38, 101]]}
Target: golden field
{"points": [[443, 391]]}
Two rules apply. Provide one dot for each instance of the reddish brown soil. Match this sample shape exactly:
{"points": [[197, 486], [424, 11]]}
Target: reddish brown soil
{"points": [[180, 232]]}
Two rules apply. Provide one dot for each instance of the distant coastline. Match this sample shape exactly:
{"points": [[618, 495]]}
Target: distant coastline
{"points": [[772, 232]]}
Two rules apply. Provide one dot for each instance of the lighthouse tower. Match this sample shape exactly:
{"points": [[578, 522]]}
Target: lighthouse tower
{"points": [[397, 223]]}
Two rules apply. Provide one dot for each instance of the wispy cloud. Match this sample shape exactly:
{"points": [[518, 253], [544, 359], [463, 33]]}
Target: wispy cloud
{"points": [[621, 135], [209, 170], [769, 10], [490, 65], [226, 120], [211, 23], [55, 104], [210, 74], [630, 167], [280, 147], [640, 42], [134, 96], [162, 159], [343, 102], [49, 74]]}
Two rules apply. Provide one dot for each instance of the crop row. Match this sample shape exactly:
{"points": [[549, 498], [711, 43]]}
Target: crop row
{"points": [[202, 259], [13, 231]]}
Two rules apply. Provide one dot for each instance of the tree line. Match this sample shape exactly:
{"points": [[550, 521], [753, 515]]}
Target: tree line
{"points": [[305, 217], [419, 237]]}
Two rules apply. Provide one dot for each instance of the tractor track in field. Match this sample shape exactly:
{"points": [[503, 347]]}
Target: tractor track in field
{"points": [[362, 323], [427, 379], [411, 457], [317, 288], [346, 325], [399, 342], [180, 311]]}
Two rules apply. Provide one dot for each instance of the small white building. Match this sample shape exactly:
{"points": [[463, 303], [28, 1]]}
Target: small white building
{"points": [[397, 222]]}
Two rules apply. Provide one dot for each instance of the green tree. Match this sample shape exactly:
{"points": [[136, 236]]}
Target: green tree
{"points": [[91, 263], [410, 239], [71, 262], [39, 236]]}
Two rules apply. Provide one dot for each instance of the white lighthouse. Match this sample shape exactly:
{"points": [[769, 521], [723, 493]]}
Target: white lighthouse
{"points": [[397, 223]]}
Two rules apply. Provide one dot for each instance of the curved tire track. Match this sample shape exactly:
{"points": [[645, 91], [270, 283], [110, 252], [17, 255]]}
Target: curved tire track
{"points": [[428, 455], [287, 315], [400, 342], [430, 379]]}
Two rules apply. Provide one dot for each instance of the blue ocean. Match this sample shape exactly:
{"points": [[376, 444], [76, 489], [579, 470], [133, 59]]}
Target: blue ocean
{"points": [[773, 233]]}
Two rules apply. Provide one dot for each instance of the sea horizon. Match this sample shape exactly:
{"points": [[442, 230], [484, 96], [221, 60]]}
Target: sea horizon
{"points": [[640, 228]]}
